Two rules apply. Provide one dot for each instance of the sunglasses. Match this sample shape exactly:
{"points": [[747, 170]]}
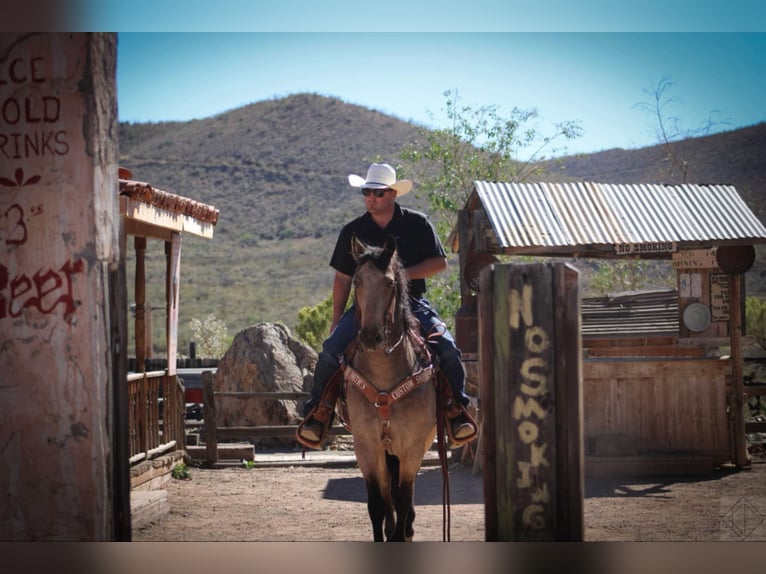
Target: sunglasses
{"points": [[376, 192]]}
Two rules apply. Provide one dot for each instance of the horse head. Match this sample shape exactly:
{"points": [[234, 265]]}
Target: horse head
{"points": [[380, 289]]}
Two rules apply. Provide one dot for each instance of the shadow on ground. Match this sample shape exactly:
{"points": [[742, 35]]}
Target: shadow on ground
{"points": [[464, 487]]}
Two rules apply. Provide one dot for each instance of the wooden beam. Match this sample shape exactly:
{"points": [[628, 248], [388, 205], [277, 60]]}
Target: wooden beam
{"points": [[163, 219], [211, 440], [172, 292]]}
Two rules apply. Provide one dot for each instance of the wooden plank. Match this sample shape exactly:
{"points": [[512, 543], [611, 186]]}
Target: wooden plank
{"points": [[755, 426], [638, 410], [210, 417], [646, 351], [569, 472], [225, 451], [280, 395], [142, 229], [487, 401], [163, 219], [172, 296], [591, 342], [754, 390], [267, 431], [148, 506], [526, 442], [651, 368]]}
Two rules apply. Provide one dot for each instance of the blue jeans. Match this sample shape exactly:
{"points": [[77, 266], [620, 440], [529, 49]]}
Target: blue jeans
{"points": [[443, 347]]}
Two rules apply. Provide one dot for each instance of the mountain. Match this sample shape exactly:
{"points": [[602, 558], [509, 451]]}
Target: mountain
{"points": [[277, 171]]}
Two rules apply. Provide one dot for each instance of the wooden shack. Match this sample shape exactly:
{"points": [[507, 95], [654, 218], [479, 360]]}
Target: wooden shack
{"points": [[659, 396], [155, 399]]}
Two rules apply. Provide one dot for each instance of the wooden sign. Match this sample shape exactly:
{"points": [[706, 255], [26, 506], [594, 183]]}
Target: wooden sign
{"points": [[537, 402], [695, 259], [719, 297]]}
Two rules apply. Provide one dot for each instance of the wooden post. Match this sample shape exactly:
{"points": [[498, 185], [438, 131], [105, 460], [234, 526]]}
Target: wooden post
{"points": [[139, 244], [487, 400], [570, 464], [118, 298], [142, 415], [148, 330], [741, 457], [172, 291], [208, 406], [536, 390], [736, 260]]}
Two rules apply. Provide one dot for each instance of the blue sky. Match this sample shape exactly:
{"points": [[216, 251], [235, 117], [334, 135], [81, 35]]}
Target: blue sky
{"points": [[589, 65]]}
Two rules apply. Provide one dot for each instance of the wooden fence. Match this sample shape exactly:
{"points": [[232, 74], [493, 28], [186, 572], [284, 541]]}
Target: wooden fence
{"points": [[150, 434], [215, 433]]}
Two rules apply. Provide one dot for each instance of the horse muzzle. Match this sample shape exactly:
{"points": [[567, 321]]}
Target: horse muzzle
{"points": [[370, 339]]}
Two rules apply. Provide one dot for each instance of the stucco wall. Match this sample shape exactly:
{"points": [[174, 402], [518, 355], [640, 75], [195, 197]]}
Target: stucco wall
{"points": [[58, 240]]}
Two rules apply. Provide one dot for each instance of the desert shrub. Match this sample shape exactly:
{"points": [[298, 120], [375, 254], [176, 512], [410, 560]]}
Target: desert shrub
{"points": [[755, 319]]}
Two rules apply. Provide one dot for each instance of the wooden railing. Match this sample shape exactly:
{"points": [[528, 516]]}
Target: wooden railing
{"points": [[150, 434], [213, 433]]}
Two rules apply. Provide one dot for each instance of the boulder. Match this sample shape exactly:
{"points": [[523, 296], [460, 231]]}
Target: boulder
{"points": [[264, 357]]}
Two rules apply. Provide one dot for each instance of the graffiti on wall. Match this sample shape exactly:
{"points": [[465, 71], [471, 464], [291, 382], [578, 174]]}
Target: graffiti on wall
{"points": [[530, 415], [31, 133]]}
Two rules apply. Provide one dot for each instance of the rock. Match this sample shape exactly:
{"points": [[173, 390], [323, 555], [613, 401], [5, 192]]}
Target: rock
{"points": [[264, 357]]}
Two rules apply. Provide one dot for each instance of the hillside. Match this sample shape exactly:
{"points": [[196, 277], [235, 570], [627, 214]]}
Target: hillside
{"points": [[277, 171]]}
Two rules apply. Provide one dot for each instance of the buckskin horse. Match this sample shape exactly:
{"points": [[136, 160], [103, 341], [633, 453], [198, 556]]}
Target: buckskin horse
{"points": [[390, 393]]}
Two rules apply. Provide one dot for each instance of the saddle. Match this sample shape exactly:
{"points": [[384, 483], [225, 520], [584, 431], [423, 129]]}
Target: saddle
{"points": [[333, 395]]}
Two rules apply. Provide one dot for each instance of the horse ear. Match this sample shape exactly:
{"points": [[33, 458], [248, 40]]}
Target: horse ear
{"points": [[390, 246], [357, 247]]}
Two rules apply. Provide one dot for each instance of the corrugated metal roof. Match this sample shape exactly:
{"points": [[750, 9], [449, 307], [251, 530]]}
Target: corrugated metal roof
{"points": [[570, 215], [630, 314]]}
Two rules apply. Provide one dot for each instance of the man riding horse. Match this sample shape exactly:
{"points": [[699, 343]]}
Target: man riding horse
{"points": [[423, 256]]}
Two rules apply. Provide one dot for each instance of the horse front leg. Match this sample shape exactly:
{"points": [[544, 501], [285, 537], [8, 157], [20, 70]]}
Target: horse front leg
{"points": [[376, 508], [405, 511]]}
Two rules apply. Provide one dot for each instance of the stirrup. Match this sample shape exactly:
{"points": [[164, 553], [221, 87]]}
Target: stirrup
{"points": [[315, 444], [453, 410]]}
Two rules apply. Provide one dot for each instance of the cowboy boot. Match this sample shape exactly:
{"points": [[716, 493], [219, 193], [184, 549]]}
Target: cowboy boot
{"points": [[461, 427], [312, 431]]}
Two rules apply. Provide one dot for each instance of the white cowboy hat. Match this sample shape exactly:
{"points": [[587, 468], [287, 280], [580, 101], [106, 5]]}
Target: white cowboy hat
{"points": [[381, 176]]}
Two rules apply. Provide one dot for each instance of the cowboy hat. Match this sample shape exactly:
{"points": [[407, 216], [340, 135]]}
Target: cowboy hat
{"points": [[381, 176]]}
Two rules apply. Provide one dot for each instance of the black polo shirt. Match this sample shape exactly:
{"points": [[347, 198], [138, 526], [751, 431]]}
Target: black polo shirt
{"points": [[416, 241]]}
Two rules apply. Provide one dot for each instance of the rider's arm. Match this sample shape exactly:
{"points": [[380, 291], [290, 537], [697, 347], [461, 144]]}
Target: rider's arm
{"points": [[427, 268], [341, 288]]}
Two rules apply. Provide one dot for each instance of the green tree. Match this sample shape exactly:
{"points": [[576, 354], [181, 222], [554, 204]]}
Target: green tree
{"points": [[314, 323], [478, 144], [629, 275], [755, 319]]}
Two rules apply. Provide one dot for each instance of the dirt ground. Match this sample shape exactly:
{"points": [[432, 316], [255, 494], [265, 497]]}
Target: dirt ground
{"points": [[329, 504]]}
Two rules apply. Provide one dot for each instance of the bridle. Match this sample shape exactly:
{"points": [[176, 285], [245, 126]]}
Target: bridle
{"points": [[389, 320]]}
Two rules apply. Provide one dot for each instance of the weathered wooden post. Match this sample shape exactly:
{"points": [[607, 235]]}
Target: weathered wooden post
{"points": [[208, 412], [530, 355], [735, 261], [62, 469]]}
